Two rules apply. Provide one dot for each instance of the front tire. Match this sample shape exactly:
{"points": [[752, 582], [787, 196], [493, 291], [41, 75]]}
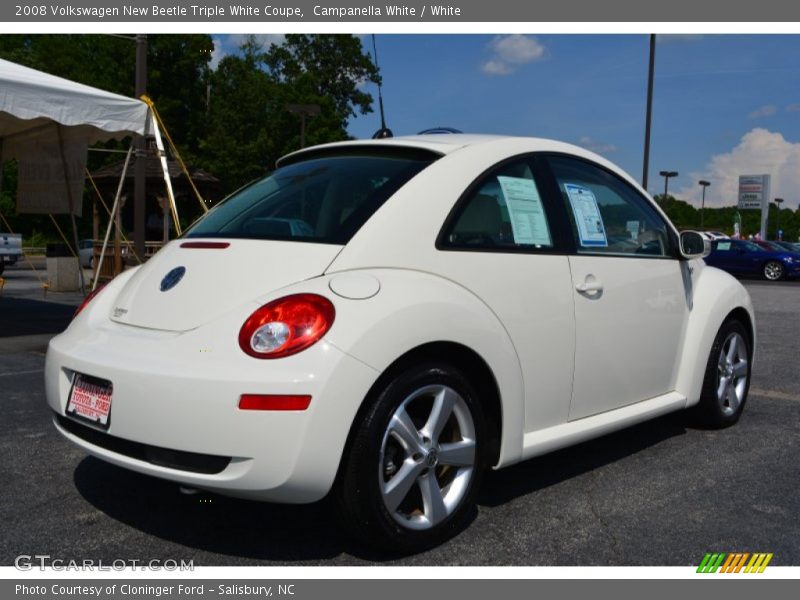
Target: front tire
{"points": [[773, 270], [415, 461], [727, 378]]}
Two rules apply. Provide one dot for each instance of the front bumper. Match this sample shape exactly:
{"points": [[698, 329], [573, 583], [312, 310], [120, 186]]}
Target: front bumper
{"points": [[179, 393]]}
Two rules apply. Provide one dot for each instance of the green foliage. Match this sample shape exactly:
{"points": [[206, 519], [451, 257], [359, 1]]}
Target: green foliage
{"points": [[249, 126], [686, 216], [231, 121]]}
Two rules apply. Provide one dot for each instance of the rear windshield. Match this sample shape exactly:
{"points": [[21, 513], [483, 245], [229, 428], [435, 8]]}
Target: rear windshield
{"points": [[324, 199]]}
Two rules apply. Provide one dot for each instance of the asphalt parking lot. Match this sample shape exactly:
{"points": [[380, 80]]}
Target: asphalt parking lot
{"points": [[661, 493]]}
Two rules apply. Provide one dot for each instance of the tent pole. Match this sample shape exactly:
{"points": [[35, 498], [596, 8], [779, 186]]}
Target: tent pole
{"points": [[165, 170], [111, 217], [71, 207]]}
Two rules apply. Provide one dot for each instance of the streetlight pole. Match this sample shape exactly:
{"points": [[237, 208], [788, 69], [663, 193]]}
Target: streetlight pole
{"points": [[666, 175], [304, 110], [778, 202], [649, 115], [704, 184]]}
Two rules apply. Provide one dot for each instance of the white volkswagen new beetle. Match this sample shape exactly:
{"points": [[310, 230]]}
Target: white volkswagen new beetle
{"points": [[386, 319]]}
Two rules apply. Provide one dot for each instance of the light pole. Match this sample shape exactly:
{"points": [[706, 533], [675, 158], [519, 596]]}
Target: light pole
{"points": [[304, 110], [649, 113], [778, 202], [666, 175], [705, 184]]}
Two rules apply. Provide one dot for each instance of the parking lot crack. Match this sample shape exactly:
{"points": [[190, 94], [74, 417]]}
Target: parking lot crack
{"points": [[606, 527]]}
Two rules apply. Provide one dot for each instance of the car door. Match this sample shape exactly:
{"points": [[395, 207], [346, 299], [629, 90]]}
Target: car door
{"points": [[507, 243], [628, 289]]}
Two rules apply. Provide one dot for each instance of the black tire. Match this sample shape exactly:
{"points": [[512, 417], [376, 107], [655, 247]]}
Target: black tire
{"points": [[359, 489], [712, 412], [773, 270]]}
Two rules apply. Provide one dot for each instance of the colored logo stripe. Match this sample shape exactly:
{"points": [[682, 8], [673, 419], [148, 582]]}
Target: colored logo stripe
{"points": [[734, 562]]}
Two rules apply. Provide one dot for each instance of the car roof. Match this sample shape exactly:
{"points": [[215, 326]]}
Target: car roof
{"points": [[439, 143]]}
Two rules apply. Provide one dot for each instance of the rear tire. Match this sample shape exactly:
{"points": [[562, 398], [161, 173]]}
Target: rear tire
{"points": [[727, 378], [773, 270], [415, 461]]}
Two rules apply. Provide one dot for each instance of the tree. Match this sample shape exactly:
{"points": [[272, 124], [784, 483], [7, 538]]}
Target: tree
{"points": [[330, 66], [249, 126]]}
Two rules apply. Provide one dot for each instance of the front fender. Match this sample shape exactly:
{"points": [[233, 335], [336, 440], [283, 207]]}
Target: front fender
{"points": [[714, 295]]}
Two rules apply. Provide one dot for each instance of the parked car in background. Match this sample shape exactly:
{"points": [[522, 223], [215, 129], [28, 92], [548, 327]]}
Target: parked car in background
{"points": [[771, 246], [86, 253], [742, 257], [790, 246], [387, 319], [718, 235], [10, 249]]}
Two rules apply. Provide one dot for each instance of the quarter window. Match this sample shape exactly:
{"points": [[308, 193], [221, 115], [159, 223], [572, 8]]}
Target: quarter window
{"points": [[608, 215], [504, 211]]}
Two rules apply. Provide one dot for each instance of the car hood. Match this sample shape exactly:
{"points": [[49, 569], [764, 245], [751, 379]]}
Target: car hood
{"points": [[201, 284]]}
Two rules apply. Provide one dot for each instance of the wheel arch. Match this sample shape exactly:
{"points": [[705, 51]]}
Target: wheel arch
{"points": [[465, 359], [716, 298]]}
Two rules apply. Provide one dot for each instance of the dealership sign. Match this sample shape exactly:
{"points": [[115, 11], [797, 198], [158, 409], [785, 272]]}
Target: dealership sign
{"points": [[753, 191]]}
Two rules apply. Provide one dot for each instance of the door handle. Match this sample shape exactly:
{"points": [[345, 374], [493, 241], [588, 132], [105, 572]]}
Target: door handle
{"points": [[590, 286]]}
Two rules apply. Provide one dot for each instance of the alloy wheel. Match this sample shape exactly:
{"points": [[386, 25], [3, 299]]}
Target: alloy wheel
{"points": [[428, 457], [732, 373], [773, 270]]}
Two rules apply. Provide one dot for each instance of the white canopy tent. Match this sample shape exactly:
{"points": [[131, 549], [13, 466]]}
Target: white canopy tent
{"points": [[47, 123]]}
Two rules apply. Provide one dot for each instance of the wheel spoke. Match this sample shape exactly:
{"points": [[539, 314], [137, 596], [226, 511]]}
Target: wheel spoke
{"points": [[457, 454], [722, 389], [403, 428], [740, 369], [733, 398], [432, 500], [440, 413], [732, 349], [396, 489]]}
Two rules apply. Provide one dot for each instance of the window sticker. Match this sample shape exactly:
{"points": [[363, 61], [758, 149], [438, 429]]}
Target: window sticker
{"points": [[633, 228], [528, 221], [587, 215], [723, 245]]}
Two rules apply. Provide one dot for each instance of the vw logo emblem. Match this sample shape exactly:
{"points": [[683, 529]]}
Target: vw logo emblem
{"points": [[172, 278]]}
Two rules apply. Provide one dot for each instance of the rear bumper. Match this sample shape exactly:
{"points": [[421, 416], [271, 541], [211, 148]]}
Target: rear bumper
{"points": [[175, 401]]}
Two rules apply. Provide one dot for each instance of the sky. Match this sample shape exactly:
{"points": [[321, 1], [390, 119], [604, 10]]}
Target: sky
{"points": [[724, 105]]}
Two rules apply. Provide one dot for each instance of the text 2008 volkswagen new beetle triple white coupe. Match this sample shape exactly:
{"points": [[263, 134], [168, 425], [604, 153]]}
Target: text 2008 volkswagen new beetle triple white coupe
{"points": [[387, 319]]}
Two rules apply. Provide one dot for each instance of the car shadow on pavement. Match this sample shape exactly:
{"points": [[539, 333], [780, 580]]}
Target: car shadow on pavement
{"points": [[214, 523], [502, 486], [22, 316], [255, 531]]}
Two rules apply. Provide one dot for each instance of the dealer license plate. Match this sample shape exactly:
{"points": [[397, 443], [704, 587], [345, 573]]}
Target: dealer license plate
{"points": [[90, 400]]}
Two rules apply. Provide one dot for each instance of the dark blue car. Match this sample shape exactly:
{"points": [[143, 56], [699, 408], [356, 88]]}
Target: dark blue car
{"points": [[740, 257]]}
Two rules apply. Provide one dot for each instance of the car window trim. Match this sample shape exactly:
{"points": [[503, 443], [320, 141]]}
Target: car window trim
{"points": [[545, 157], [555, 220]]}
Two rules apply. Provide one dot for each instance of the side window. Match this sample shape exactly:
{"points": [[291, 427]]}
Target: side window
{"points": [[504, 211], [608, 215], [725, 246]]}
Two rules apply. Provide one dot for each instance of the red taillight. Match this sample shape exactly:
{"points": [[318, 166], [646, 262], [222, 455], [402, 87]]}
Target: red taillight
{"points": [[286, 326], [88, 299], [273, 402]]}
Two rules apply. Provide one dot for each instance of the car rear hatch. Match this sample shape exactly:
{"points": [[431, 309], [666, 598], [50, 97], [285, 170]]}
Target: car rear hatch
{"points": [[192, 282]]}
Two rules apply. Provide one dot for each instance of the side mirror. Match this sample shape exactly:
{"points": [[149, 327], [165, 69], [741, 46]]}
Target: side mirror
{"points": [[694, 245]]}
